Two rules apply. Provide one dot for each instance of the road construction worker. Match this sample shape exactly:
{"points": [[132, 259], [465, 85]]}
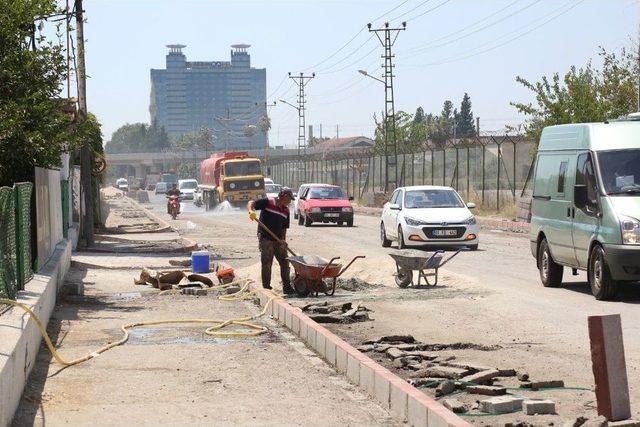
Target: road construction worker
{"points": [[275, 216], [172, 192]]}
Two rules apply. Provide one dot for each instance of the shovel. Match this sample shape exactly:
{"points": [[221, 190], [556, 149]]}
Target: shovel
{"points": [[276, 238]]}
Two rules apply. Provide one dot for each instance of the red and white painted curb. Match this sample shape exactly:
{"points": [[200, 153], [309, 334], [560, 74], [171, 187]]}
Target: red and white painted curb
{"points": [[391, 391]]}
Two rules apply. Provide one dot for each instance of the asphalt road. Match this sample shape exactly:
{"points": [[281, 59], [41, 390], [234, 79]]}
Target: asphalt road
{"points": [[491, 297]]}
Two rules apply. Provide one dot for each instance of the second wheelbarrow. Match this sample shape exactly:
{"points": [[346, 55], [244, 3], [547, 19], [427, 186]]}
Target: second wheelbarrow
{"points": [[314, 274], [408, 260]]}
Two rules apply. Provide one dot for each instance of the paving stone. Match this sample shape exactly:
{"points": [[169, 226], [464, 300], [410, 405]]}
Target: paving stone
{"points": [[501, 404], [624, 423], [537, 385], [426, 382], [445, 387], [481, 377], [600, 421], [446, 372], [542, 407], [487, 390], [365, 348], [425, 355], [523, 376], [506, 372], [455, 406], [394, 353]]}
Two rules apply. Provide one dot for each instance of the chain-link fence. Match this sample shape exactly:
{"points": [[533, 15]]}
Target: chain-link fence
{"points": [[15, 238], [490, 171]]}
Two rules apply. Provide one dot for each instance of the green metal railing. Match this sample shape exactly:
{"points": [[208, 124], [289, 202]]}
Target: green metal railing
{"points": [[15, 238], [64, 189]]}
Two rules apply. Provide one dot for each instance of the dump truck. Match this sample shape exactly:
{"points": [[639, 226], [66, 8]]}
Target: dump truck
{"points": [[232, 177]]}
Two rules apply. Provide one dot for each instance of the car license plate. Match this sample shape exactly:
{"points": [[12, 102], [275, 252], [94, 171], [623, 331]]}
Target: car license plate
{"points": [[332, 215], [445, 232]]}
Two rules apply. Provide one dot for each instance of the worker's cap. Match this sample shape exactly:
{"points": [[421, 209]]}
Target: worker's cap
{"points": [[285, 191]]}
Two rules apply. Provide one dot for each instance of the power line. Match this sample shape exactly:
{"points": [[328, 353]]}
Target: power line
{"points": [[476, 52], [326, 69], [410, 10], [433, 44], [337, 51], [389, 11], [413, 18]]}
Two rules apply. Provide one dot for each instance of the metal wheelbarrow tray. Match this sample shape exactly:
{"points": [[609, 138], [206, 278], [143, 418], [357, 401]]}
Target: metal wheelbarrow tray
{"points": [[314, 274], [408, 260]]}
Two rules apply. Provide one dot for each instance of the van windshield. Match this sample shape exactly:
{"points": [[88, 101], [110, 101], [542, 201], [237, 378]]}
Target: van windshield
{"points": [[620, 171], [188, 185]]}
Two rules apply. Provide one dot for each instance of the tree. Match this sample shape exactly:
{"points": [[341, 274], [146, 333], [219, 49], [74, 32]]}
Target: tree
{"points": [[201, 139], [584, 94], [34, 129], [138, 138], [465, 127]]}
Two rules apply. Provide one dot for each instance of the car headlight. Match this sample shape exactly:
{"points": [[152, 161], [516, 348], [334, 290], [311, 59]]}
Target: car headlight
{"points": [[256, 184], [347, 209], [471, 220], [315, 210], [413, 221], [630, 230], [232, 185]]}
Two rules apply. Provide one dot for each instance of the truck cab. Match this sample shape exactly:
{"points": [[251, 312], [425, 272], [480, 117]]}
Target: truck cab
{"points": [[232, 177]]}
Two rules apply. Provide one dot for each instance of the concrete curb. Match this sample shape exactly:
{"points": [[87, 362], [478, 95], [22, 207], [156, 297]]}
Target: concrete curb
{"points": [[21, 338], [391, 391]]}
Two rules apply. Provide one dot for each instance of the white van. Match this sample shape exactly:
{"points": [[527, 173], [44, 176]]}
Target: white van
{"points": [[585, 212]]}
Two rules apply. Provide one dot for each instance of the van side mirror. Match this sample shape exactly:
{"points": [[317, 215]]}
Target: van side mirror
{"points": [[580, 196], [351, 199], [394, 207], [471, 205]]}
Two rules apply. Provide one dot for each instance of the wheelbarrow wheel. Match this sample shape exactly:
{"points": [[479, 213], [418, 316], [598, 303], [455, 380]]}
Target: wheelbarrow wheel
{"points": [[301, 286], [404, 278]]}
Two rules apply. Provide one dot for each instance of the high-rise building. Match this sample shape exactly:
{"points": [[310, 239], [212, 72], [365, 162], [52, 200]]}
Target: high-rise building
{"points": [[228, 97]]}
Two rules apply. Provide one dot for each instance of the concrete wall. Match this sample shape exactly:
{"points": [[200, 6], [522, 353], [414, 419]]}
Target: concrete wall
{"points": [[48, 212], [19, 336]]}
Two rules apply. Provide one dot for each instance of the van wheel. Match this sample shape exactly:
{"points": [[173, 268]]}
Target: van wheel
{"points": [[550, 271], [603, 287], [383, 237], [307, 221]]}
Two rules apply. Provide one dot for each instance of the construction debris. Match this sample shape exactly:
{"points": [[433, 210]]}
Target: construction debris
{"points": [[486, 390], [538, 407], [194, 291], [501, 404], [180, 262], [537, 385], [164, 280], [323, 312], [445, 387], [455, 406]]}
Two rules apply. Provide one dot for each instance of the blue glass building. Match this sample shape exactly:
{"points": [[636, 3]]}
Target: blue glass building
{"points": [[225, 96]]}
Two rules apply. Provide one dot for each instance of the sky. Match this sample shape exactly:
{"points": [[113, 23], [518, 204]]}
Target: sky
{"points": [[449, 47]]}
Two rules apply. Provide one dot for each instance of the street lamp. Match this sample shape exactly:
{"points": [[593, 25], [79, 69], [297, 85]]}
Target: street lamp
{"points": [[366, 74], [289, 104]]}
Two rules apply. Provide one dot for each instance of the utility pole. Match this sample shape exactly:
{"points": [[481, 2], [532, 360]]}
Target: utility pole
{"points": [[85, 150], [337, 131], [477, 126], [302, 81], [388, 37]]}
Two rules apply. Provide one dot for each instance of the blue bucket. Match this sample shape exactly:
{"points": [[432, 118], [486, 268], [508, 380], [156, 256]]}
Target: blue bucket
{"points": [[200, 261]]}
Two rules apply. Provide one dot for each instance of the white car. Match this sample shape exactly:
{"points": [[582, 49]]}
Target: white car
{"points": [[187, 187], [428, 215], [122, 184], [272, 190], [268, 181]]}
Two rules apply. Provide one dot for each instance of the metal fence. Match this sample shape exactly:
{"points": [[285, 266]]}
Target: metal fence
{"points": [[489, 170], [16, 266]]}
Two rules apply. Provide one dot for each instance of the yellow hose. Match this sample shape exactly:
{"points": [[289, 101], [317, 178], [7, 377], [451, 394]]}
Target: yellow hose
{"points": [[241, 295]]}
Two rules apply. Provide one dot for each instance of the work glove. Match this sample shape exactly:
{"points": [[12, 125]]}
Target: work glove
{"points": [[253, 216]]}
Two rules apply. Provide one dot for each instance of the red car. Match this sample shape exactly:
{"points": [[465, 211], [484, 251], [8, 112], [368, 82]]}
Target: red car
{"points": [[324, 203]]}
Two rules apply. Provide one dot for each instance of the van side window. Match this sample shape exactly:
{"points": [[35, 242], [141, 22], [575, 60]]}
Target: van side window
{"points": [[586, 176], [561, 175], [394, 197]]}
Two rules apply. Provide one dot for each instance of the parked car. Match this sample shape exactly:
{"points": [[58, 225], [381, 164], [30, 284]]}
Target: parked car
{"points": [[122, 184], [296, 201], [161, 188], [187, 187], [428, 215], [324, 203], [585, 212], [268, 181], [272, 190]]}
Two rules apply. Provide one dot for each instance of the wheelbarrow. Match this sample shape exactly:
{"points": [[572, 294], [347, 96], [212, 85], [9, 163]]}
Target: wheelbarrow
{"points": [[314, 274], [426, 264]]}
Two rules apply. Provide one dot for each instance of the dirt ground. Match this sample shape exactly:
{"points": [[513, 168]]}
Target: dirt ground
{"points": [[175, 374], [491, 297]]}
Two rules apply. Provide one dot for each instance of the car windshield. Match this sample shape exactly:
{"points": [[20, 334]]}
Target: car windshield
{"points": [[326, 193], [620, 171], [423, 199], [188, 185], [272, 188], [242, 168]]}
